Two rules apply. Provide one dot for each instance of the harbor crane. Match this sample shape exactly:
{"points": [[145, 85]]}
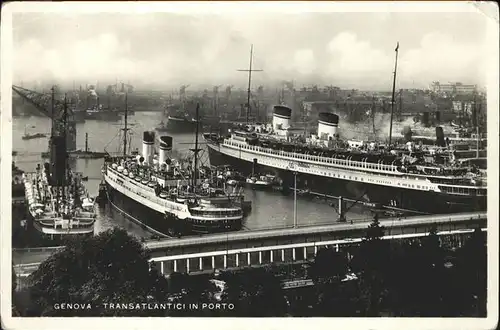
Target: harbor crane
{"points": [[63, 129], [216, 90], [62, 117], [228, 91]]}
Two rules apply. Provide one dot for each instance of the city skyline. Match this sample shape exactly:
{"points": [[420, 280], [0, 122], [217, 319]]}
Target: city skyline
{"points": [[348, 50]]}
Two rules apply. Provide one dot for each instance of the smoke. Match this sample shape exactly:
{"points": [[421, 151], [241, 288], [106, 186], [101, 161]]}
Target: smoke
{"points": [[347, 49], [378, 128], [93, 94]]}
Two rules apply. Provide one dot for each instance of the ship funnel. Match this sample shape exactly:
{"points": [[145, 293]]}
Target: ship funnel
{"points": [[407, 133], [440, 142], [165, 147], [327, 125], [281, 117], [148, 141], [58, 161]]}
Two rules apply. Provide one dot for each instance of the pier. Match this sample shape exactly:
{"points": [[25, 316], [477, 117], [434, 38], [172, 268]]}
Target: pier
{"points": [[210, 261], [281, 242], [334, 231]]}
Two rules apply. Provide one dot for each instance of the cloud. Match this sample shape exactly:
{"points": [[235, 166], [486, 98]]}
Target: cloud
{"points": [[304, 61], [169, 50], [441, 58], [437, 58]]}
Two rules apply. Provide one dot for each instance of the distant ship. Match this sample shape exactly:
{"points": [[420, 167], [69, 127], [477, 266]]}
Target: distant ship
{"points": [[178, 120], [178, 124], [98, 113], [33, 136], [81, 154], [28, 136], [86, 153]]}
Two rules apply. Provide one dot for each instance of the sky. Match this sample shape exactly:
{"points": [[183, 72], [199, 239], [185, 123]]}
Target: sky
{"points": [[349, 50]]}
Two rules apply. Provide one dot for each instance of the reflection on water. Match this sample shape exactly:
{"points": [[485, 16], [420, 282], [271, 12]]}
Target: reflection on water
{"points": [[269, 209]]}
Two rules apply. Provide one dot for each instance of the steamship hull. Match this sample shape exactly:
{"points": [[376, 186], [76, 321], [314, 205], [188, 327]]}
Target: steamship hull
{"points": [[179, 125], [42, 232], [392, 197], [160, 223], [103, 115]]}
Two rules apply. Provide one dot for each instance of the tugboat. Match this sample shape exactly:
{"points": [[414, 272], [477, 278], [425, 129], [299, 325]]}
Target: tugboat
{"points": [[263, 182], [27, 136], [87, 154], [227, 175]]}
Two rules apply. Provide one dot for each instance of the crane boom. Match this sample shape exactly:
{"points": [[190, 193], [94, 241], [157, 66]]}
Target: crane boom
{"points": [[44, 103]]}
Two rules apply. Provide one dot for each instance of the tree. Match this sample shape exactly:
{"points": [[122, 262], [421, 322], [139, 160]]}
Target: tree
{"points": [[191, 290], [14, 279], [254, 292], [372, 261], [328, 266], [109, 268], [471, 272], [15, 311], [430, 261]]}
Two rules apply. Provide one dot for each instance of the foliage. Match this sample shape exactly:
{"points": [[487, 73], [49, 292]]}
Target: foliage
{"points": [[14, 279], [328, 266], [418, 277], [191, 290], [407, 278], [254, 292], [111, 267]]}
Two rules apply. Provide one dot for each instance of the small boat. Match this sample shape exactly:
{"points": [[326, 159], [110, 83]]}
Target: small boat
{"points": [[265, 182], [86, 154], [27, 136], [33, 136]]}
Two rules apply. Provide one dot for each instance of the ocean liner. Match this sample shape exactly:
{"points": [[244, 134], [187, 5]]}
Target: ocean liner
{"points": [[409, 176], [160, 193]]}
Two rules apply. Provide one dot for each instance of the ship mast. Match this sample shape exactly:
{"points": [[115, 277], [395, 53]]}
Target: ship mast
{"points": [[393, 93], [477, 125], [86, 142], [65, 153], [125, 128], [249, 70], [196, 150]]}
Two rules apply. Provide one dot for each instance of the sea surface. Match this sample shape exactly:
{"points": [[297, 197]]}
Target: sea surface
{"points": [[269, 209]]}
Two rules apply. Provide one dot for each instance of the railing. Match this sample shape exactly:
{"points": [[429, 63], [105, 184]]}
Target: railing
{"points": [[315, 245], [318, 159], [367, 166], [281, 232], [38, 249]]}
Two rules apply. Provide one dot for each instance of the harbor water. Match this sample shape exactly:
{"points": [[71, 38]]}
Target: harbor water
{"points": [[269, 209]]}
